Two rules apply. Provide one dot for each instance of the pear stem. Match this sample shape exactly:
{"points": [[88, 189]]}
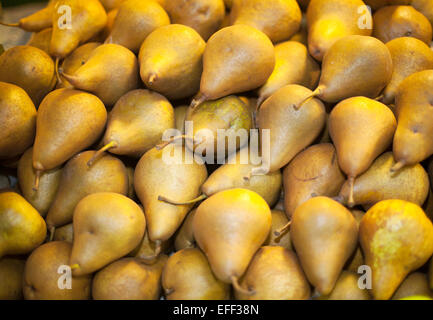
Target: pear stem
{"points": [[397, 166], [238, 287], [75, 266], [174, 139], [379, 97], [37, 180], [351, 200], [255, 172], [179, 203], [110, 145], [52, 231], [315, 93], [151, 79], [168, 292], [59, 80], [158, 248], [13, 25], [260, 101], [282, 230], [199, 99]]}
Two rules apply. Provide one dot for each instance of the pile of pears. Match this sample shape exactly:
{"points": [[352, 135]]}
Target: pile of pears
{"points": [[339, 207]]}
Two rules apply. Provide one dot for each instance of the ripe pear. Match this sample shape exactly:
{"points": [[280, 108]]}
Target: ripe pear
{"points": [[29, 68], [324, 234], [404, 64], [226, 72], [279, 222], [204, 16], [171, 61], [179, 118], [302, 35], [416, 284], [188, 276], [137, 123], [110, 72], [412, 143], [291, 129], [425, 7], [107, 226], [17, 120], [185, 236], [22, 229], [313, 172], [357, 258], [43, 272], [87, 19], [103, 35], [379, 183], [135, 20], [347, 288], [396, 237], [65, 233], [68, 121], [393, 22], [167, 172], [41, 40], [49, 181], [278, 19], [293, 65], [129, 279], [230, 227], [108, 174], [332, 20], [11, 278], [275, 274], [361, 129]]}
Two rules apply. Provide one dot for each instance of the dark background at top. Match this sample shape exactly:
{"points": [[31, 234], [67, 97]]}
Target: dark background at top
{"points": [[10, 3]]}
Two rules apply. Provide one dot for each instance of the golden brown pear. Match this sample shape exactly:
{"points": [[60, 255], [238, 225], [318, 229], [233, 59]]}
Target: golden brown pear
{"points": [[396, 237], [135, 20], [401, 21], [129, 279], [11, 279], [107, 226], [332, 20], [230, 227], [29, 68], [41, 40], [377, 4], [324, 234], [347, 288], [185, 236], [425, 7], [44, 271], [279, 221], [188, 276], [179, 118], [205, 16], [17, 121], [275, 274], [78, 180], [49, 181], [404, 64], [22, 229], [236, 59], [65, 233], [416, 284], [171, 61], [110, 72], [357, 258], [278, 19], [293, 65], [361, 129], [313, 172]]}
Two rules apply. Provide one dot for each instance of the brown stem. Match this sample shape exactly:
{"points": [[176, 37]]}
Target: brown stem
{"points": [[315, 93], [255, 172], [151, 79], [179, 203], [37, 180], [110, 145], [169, 291], [379, 97], [282, 230], [158, 248], [238, 287], [173, 139], [59, 80], [260, 100], [199, 99], [52, 232], [351, 200], [14, 25], [397, 166]]}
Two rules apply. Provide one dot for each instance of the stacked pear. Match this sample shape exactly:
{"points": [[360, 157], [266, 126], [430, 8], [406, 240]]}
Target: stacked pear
{"points": [[11, 278], [65, 233], [347, 288], [416, 284], [185, 235], [41, 40], [279, 235]]}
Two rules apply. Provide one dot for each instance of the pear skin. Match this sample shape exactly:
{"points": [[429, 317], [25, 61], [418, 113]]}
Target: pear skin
{"points": [[41, 275], [323, 223], [377, 4], [347, 288], [65, 233], [107, 226], [279, 221], [39, 20], [185, 236], [22, 228], [396, 237], [416, 284], [425, 7], [41, 40], [179, 118], [357, 258], [11, 278]]}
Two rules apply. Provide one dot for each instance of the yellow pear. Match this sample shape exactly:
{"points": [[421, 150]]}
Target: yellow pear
{"points": [[279, 221], [416, 284], [11, 279], [185, 236], [357, 258], [179, 118], [41, 40], [65, 233], [347, 288]]}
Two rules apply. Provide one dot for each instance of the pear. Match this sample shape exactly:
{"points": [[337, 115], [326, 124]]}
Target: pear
{"points": [[107, 226], [279, 221], [317, 224], [68, 122], [377, 4], [421, 58], [11, 275], [412, 143], [108, 174], [313, 172], [137, 123], [332, 20], [49, 182], [361, 129], [230, 227], [379, 183], [278, 19], [29, 68], [357, 258], [167, 172], [396, 237], [185, 236], [293, 65], [204, 16], [171, 61], [129, 279], [226, 72], [275, 274], [65, 233], [42, 275], [347, 288], [104, 34], [110, 72], [41, 40], [302, 35], [291, 129], [148, 251], [22, 228], [87, 19], [111, 4], [392, 22], [416, 284], [135, 20], [179, 118], [17, 120], [425, 7], [188, 276]]}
